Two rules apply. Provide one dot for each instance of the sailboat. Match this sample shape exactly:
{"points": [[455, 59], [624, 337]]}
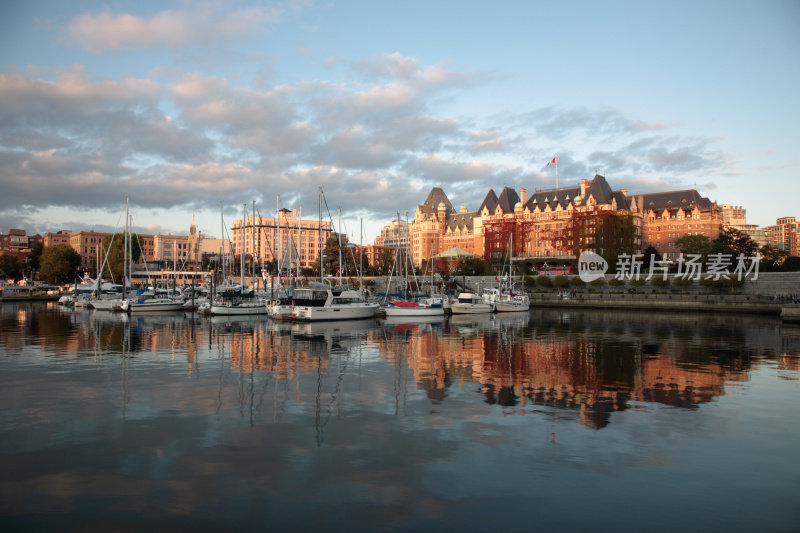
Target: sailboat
{"points": [[503, 298], [279, 306], [409, 306], [243, 302], [319, 301]]}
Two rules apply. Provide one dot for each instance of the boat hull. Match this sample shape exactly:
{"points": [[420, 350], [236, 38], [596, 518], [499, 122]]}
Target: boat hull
{"points": [[335, 312], [238, 310], [512, 306], [392, 311], [471, 308], [153, 306]]}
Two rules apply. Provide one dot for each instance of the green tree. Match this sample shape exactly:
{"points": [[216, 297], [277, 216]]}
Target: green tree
{"points": [[772, 257], [35, 255], [10, 267], [349, 260], [650, 253], [59, 263], [113, 252], [791, 264], [473, 266], [615, 235], [735, 242], [695, 244], [248, 264]]}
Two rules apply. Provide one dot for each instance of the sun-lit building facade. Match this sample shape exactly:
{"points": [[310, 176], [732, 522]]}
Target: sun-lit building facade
{"points": [[555, 223], [283, 238]]}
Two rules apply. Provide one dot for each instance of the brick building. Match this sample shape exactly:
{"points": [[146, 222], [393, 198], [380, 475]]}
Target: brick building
{"points": [[286, 236], [669, 216], [559, 223], [18, 243]]}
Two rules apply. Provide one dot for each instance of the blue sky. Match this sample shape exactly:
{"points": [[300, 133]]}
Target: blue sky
{"points": [[183, 105]]}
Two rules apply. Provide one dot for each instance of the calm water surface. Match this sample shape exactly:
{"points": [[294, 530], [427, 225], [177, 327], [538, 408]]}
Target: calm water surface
{"points": [[571, 420]]}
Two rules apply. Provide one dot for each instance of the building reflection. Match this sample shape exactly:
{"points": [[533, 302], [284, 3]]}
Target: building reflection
{"points": [[591, 364]]}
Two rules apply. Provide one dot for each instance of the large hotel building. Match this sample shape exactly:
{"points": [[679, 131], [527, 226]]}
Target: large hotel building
{"points": [[286, 238], [553, 224], [557, 223]]}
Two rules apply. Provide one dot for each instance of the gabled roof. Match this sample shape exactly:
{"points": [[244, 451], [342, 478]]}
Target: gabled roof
{"points": [[623, 202], [553, 197], [508, 199], [687, 199], [600, 189], [490, 202], [460, 220], [436, 197]]}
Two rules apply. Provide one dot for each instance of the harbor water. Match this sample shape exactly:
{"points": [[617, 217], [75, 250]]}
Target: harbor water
{"points": [[576, 420]]}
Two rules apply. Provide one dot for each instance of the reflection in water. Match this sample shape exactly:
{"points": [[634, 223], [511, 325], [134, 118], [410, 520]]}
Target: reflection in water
{"points": [[175, 417]]}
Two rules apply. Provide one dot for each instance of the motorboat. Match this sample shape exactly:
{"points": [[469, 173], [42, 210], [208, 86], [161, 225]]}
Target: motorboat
{"points": [[469, 303], [512, 303], [421, 307], [320, 302], [506, 300], [241, 303], [141, 305]]}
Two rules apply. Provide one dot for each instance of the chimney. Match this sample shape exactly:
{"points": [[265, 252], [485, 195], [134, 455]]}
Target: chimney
{"points": [[584, 183], [523, 195], [624, 192]]}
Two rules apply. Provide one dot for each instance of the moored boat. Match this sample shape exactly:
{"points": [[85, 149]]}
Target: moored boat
{"points": [[320, 302], [420, 307], [469, 303]]}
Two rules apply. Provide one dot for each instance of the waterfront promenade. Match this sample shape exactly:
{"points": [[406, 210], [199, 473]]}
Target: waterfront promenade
{"points": [[773, 293]]}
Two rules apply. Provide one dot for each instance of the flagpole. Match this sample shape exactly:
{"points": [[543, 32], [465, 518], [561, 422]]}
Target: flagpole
{"points": [[556, 158]]}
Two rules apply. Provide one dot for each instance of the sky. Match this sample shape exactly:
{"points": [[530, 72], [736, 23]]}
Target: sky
{"points": [[198, 108]]}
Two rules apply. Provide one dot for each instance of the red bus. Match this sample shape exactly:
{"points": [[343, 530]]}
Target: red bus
{"points": [[560, 270]]}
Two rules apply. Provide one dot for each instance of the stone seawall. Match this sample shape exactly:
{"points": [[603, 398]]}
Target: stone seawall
{"points": [[660, 302]]}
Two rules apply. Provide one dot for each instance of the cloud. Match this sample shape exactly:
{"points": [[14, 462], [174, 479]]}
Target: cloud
{"points": [[376, 144], [437, 168], [392, 66], [559, 122], [201, 23]]}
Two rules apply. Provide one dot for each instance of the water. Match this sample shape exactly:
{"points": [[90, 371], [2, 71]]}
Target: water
{"points": [[570, 420]]}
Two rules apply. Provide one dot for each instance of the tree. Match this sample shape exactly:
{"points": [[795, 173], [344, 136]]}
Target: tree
{"points": [[473, 266], [791, 264], [734, 242], [650, 253], [695, 244], [59, 263], [35, 255], [615, 235], [349, 261], [772, 257], [114, 254], [10, 267]]}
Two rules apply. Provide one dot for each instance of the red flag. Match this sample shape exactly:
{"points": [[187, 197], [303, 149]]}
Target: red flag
{"points": [[551, 162]]}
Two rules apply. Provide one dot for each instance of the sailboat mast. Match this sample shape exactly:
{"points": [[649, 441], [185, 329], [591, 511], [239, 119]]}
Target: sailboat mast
{"points": [[339, 234], [125, 252], [299, 239], [280, 239], [253, 240], [361, 256], [222, 241], [321, 246], [241, 247]]}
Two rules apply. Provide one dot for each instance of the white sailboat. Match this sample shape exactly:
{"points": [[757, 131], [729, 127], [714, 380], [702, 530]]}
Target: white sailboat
{"points": [[504, 298], [245, 302], [410, 306]]}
